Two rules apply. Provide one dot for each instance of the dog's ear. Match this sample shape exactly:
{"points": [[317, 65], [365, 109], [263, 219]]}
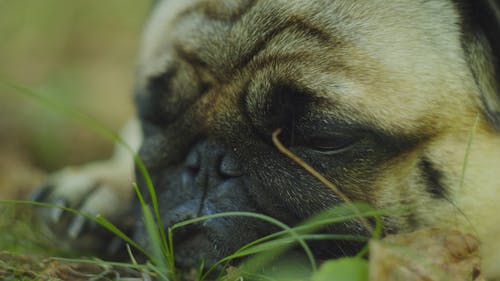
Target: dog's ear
{"points": [[481, 42]]}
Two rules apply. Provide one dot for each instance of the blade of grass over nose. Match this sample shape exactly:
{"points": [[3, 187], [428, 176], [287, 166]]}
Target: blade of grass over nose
{"points": [[267, 249], [159, 258], [271, 220]]}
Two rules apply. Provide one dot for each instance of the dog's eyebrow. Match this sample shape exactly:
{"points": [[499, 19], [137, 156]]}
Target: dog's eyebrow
{"points": [[241, 41], [294, 22], [191, 57]]}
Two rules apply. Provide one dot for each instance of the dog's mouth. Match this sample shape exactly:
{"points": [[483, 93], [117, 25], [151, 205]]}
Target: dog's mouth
{"points": [[205, 242], [191, 247], [199, 246], [194, 249], [213, 239]]}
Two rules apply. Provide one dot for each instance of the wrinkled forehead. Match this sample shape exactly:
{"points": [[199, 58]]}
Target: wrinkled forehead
{"points": [[402, 55], [378, 26]]}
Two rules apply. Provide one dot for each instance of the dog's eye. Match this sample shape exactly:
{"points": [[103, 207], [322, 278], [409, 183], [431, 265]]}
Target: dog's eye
{"points": [[332, 145]]}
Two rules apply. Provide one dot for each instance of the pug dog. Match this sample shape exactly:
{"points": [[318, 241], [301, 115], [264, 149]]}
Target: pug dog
{"points": [[396, 102]]}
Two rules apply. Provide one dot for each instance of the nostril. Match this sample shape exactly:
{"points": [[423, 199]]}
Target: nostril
{"points": [[230, 167]]}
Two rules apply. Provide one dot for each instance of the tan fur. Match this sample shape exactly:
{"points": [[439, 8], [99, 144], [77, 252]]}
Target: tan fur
{"points": [[395, 65]]}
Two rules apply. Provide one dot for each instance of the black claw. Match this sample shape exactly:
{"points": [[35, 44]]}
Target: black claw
{"points": [[116, 245], [77, 227], [56, 213], [41, 193]]}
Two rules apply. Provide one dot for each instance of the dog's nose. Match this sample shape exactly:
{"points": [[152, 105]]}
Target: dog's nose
{"points": [[209, 164]]}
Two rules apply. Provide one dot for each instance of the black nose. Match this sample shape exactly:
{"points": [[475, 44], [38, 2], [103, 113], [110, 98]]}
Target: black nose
{"points": [[209, 184], [208, 165]]}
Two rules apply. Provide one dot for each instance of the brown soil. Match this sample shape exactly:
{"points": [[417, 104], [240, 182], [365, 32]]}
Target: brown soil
{"points": [[31, 267]]}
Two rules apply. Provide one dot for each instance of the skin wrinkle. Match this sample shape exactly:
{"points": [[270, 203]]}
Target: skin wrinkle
{"points": [[240, 54], [432, 179]]}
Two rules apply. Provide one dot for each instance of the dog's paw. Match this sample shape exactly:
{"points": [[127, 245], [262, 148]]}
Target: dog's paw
{"points": [[102, 188]]}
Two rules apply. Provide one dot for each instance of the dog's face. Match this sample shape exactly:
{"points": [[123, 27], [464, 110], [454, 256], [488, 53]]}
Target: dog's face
{"points": [[378, 96]]}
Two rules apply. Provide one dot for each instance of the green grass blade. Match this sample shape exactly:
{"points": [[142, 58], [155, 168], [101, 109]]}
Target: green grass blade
{"points": [[472, 134], [158, 256], [199, 273], [101, 262], [328, 217], [159, 272], [331, 216], [170, 254], [345, 269], [98, 219], [288, 241], [271, 220]]}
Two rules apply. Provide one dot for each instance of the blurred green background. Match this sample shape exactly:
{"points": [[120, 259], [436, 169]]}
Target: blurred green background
{"points": [[79, 52]]}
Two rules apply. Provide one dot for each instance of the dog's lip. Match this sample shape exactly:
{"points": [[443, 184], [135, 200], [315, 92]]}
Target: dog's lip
{"points": [[193, 248]]}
